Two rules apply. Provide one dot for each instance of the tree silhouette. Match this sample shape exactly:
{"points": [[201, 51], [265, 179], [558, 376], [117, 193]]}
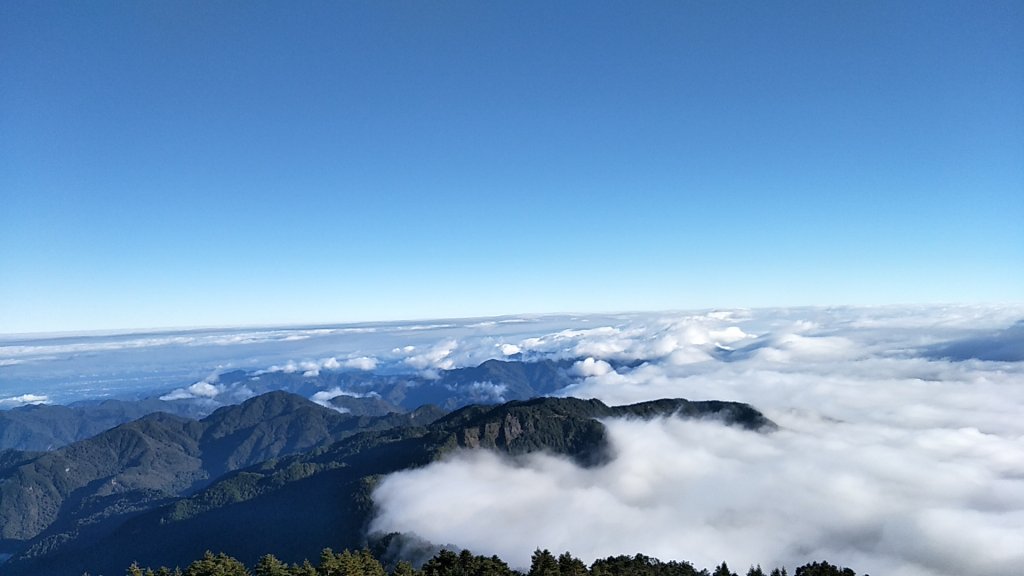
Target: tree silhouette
{"points": [[571, 566], [723, 570], [823, 569], [543, 564]]}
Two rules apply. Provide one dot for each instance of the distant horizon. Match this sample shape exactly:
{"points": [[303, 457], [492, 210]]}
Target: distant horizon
{"points": [[142, 330]]}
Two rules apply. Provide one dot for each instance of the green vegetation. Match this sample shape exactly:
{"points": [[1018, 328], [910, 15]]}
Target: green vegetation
{"points": [[465, 563]]}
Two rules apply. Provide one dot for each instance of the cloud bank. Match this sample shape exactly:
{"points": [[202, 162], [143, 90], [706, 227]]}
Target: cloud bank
{"points": [[891, 459]]}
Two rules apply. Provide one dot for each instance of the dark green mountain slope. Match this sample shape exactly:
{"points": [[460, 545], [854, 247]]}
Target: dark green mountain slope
{"points": [[84, 489], [296, 505]]}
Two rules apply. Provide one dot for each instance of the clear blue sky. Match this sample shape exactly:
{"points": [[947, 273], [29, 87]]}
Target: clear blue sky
{"points": [[210, 163]]}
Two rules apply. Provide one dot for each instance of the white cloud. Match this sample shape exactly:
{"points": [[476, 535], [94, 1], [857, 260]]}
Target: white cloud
{"points": [[212, 391], [23, 399], [324, 398], [436, 357], [590, 367], [483, 392], [689, 338], [361, 363], [207, 388], [509, 349], [312, 368], [452, 353], [888, 461]]}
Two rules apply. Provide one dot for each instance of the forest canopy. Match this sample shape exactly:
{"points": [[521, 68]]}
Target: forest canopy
{"points": [[465, 563]]}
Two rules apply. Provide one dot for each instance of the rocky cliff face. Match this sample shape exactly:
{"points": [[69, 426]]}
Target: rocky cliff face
{"points": [[494, 435], [571, 426]]}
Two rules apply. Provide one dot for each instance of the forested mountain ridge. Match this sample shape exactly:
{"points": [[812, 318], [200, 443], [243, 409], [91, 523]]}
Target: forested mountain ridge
{"points": [[140, 464], [293, 506]]}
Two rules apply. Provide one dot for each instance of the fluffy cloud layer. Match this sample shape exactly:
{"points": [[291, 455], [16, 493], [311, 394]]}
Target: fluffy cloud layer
{"points": [[891, 458]]}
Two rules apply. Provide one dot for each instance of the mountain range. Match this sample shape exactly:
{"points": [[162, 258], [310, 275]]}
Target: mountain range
{"points": [[41, 427], [276, 473]]}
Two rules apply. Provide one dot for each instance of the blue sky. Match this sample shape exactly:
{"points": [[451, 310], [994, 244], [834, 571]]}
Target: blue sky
{"points": [[181, 164]]}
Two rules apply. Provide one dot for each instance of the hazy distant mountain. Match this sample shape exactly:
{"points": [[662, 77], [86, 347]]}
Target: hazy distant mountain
{"points": [[296, 505], [46, 427], [997, 346], [493, 381]]}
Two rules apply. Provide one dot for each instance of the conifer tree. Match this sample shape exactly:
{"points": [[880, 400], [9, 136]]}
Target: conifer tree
{"points": [[444, 563], [403, 568], [543, 564], [723, 570], [568, 565], [369, 565], [219, 565], [305, 569], [350, 563], [330, 563], [269, 565], [494, 566]]}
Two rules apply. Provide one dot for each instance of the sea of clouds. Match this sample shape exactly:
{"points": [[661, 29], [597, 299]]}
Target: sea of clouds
{"points": [[901, 448]]}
